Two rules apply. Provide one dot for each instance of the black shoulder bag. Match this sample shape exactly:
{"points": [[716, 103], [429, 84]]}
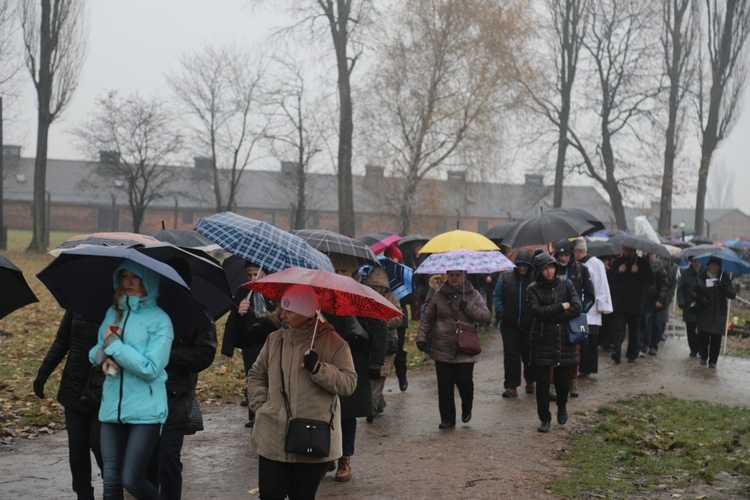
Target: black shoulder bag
{"points": [[305, 436]]}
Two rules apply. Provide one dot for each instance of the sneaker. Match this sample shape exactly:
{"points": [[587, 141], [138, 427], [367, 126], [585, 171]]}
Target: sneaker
{"points": [[562, 415], [510, 393], [704, 362], [543, 427], [344, 471], [616, 357], [652, 351], [530, 386], [641, 354]]}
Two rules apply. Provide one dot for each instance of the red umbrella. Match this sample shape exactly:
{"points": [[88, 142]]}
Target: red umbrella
{"points": [[337, 295]]}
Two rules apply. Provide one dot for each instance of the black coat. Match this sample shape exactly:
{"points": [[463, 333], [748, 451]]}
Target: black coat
{"points": [[549, 336], [579, 275], [189, 355], [511, 302], [711, 303], [75, 338], [688, 278], [659, 289], [628, 287], [367, 353], [249, 331]]}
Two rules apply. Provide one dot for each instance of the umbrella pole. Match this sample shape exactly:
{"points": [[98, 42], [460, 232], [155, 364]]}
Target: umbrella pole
{"points": [[318, 319], [726, 326]]}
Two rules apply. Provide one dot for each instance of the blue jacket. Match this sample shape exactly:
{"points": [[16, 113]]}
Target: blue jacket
{"points": [[137, 394]]}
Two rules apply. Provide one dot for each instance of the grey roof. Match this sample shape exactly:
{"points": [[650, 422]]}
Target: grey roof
{"points": [[272, 190]]}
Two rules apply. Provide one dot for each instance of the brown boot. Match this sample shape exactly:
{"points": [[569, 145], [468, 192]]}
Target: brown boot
{"points": [[344, 472]]}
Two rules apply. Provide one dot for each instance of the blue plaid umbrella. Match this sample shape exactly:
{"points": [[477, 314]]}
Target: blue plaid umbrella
{"points": [[261, 243], [399, 276]]}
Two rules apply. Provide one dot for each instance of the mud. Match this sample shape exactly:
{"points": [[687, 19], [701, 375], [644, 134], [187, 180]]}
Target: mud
{"points": [[403, 454]]}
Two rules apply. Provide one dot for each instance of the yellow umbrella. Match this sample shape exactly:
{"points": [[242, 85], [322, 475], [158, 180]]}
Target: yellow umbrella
{"points": [[457, 240]]}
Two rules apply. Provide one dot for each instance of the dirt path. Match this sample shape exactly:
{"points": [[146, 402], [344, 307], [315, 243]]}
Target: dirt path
{"points": [[403, 454]]}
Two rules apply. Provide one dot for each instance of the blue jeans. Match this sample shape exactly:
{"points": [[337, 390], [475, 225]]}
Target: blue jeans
{"points": [[652, 329], [126, 452]]}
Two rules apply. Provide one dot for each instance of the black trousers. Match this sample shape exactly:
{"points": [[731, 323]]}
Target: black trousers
{"points": [[170, 466], [516, 350], [277, 480], [694, 342], [606, 332], [449, 376], [83, 437], [710, 346], [590, 352], [562, 388], [633, 324], [400, 361]]}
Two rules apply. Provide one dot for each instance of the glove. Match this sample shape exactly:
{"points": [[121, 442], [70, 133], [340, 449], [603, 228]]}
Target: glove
{"points": [[462, 305], [374, 372], [310, 361], [39, 382], [422, 346]]}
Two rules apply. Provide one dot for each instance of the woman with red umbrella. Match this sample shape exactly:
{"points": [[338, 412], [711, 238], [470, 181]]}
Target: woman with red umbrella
{"points": [[291, 379]]}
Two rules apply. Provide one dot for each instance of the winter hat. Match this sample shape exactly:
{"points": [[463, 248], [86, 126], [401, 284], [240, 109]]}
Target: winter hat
{"points": [[393, 252], [564, 246], [300, 299], [343, 262]]}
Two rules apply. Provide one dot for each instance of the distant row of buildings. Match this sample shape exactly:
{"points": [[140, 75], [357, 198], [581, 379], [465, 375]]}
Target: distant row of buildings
{"points": [[265, 195]]}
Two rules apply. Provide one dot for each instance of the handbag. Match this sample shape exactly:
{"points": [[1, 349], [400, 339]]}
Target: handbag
{"points": [[195, 423], [578, 328], [467, 338], [92, 391], [305, 436]]}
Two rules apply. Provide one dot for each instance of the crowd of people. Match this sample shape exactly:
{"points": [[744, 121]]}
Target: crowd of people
{"points": [[128, 386]]}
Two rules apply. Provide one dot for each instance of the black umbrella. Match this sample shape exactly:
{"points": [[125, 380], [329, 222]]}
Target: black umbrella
{"points": [[183, 238], [499, 232], [701, 240], [408, 245], [643, 244], [699, 250], [203, 274], [234, 270], [14, 291], [329, 242], [82, 281], [552, 225], [603, 248]]}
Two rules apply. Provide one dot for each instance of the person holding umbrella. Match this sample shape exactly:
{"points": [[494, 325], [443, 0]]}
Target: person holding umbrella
{"points": [[133, 347], [688, 278], [554, 300], [313, 367], [455, 300], [710, 293]]}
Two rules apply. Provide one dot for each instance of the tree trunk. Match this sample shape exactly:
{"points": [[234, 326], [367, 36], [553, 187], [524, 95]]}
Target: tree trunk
{"points": [[346, 128], [615, 196], [562, 145], [300, 217]]}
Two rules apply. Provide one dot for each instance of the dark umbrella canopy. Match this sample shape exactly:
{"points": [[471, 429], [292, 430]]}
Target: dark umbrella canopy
{"points": [[603, 248], [499, 232], [111, 239], [643, 244], [204, 275], [552, 225], [182, 238], [81, 280], [699, 250], [14, 291], [329, 242], [234, 269]]}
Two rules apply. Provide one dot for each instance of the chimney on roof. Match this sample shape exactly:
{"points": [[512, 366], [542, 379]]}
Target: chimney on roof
{"points": [[289, 167], [109, 157], [374, 171], [456, 175], [11, 152], [203, 163], [534, 180]]}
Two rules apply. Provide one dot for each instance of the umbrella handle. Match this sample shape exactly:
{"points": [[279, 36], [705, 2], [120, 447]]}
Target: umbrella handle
{"points": [[318, 319]]}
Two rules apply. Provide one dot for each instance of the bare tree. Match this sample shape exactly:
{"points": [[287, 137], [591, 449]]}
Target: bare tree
{"points": [[295, 134], [569, 20], [138, 138], [720, 192], [55, 47], [442, 75], [221, 91], [679, 31], [620, 44], [722, 79]]}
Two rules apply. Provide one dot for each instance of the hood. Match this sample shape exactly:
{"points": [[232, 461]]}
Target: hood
{"points": [[149, 278], [541, 261], [377, 277], [524, 257]]}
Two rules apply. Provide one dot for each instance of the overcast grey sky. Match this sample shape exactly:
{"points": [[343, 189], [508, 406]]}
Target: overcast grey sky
{"points": [[133, 44]]}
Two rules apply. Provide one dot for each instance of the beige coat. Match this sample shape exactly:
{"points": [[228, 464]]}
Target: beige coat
{"points": [[310, 396]]}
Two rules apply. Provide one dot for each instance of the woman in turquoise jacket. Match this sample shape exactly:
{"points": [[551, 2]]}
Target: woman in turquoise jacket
{"points": [[133, 349]]}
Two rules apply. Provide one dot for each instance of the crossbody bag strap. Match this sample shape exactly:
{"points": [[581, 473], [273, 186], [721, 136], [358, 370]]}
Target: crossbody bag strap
{"points": [[286, 398], [453, 309]]}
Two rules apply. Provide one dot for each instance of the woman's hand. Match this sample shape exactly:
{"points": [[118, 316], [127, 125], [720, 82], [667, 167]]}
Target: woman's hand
{"points": [[566, 305], [111, 372], [244, 306]]}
